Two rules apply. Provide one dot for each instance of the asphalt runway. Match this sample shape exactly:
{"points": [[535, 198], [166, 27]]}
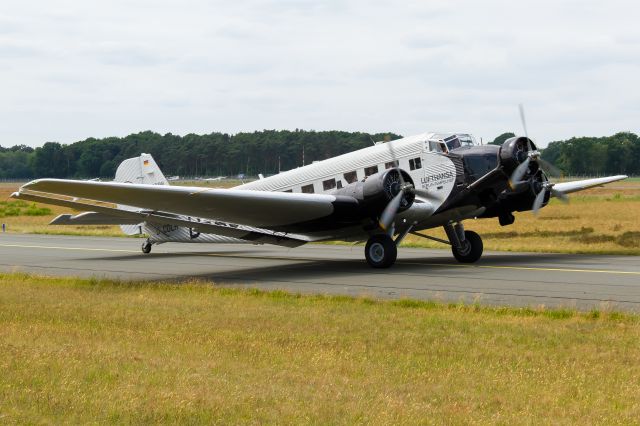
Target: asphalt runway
{"points": [[514, 279]]}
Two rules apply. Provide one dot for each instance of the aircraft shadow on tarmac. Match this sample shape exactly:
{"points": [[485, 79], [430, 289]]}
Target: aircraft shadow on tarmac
{"points": [[307, 268], [511, 259], [435, 276]]}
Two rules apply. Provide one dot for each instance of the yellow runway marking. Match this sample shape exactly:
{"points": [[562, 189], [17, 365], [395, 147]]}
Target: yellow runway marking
{"points": [[531, 268], [454, 265], [450, 265]]}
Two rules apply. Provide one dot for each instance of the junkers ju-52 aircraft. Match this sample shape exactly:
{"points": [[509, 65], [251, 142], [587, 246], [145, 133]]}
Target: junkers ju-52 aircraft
{"points": [[378, 194]]}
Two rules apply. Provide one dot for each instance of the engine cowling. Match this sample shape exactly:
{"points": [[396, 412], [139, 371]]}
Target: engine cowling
{"points": [[514, 151], [376, 191]]}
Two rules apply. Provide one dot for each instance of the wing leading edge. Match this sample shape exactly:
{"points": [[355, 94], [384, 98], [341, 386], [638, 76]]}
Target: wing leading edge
{"points": [[95, 214], [580, 185], [252, 208]]}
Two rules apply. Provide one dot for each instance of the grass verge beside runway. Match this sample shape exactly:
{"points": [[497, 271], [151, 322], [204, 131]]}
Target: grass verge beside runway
{"points": [[103, 351]]}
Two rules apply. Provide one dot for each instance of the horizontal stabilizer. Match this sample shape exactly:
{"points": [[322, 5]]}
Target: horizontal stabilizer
{"points": [[93, 218]]}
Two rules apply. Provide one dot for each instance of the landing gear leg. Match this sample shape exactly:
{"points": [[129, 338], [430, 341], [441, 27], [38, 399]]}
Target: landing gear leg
{"points": [[466, 245], [380, 251], [146, 247]]}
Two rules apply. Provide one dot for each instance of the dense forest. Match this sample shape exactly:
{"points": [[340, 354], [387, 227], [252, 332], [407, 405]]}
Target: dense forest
{"points": [[215, 154], [219, 154]]}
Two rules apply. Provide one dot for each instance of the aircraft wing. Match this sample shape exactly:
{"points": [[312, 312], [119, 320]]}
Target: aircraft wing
{"points": [[579, 185], [96, 214], [260, 209]]}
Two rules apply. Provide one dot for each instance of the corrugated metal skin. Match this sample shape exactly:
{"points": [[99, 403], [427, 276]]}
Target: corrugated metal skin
{"points": [[134, 170], [142, 169], [183, 235], [336, 166]]}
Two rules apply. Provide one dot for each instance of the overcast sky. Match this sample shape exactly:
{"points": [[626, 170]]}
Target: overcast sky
{"points": [[76, 69]]}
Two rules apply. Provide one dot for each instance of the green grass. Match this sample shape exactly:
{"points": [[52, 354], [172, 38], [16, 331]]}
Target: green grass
{"points": [[96, 351], [21, 208]]}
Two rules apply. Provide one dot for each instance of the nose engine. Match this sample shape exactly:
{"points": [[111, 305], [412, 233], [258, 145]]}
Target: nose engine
{"points": [[528, 184], [516, 151]]}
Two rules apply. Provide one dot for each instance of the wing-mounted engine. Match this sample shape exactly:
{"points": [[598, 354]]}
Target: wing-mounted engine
{"points": [[375, 192]]}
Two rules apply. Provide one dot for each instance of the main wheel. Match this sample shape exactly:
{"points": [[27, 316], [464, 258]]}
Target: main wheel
{"points": [[381, 251], [471, 249], [146, 247]]}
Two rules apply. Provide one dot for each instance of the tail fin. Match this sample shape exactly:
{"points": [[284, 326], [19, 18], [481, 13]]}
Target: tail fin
{"points": [[141, 169]]}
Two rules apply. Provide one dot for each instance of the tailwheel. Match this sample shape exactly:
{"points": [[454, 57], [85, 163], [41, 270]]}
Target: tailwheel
{"points": [[146, 247], [470, 249], [381, 251]]}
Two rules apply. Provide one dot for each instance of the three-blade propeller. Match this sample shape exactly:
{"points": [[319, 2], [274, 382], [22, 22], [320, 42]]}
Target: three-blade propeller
{"points": [[521, 170], [547, 187], [389, 213]]}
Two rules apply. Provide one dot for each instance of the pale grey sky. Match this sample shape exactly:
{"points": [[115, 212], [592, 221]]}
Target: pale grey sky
{"points": [[75, 69]]}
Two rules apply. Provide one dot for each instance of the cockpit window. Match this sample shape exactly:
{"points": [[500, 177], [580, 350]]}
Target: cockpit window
{"points": [[453, 144], [449, 141], [466, 140]]}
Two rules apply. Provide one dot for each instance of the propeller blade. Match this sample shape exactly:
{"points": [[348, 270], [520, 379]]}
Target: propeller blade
{"points": [[549, 168], [537, 203], [518, 173], [524, 125], [389, 213], [560, 195]]}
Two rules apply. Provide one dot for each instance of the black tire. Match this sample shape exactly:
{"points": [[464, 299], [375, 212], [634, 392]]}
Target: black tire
{"points": [[471, 249], [381, 251], [146, 247]]}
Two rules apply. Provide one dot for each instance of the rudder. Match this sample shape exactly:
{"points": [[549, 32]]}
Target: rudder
{"points": [[141, 170]]}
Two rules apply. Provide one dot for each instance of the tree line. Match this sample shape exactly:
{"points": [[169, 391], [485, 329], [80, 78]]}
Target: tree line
{"points": [[214, 154], [270, 151], [591, 156]]}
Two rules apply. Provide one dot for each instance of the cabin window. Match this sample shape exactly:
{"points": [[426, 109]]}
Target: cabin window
{"points": [[368, 171], [391, 164], [339, 184], [308, 189], [415, 163], [351, 177], [288, 190], [328, 184]]}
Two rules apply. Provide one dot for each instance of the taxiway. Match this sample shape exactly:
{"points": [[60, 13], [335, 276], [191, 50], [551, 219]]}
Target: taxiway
{"points": [[515, 279]]}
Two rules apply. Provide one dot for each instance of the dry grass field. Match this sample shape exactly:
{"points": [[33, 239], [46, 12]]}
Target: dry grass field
{"points": [[601, 220], [90, 351]]}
